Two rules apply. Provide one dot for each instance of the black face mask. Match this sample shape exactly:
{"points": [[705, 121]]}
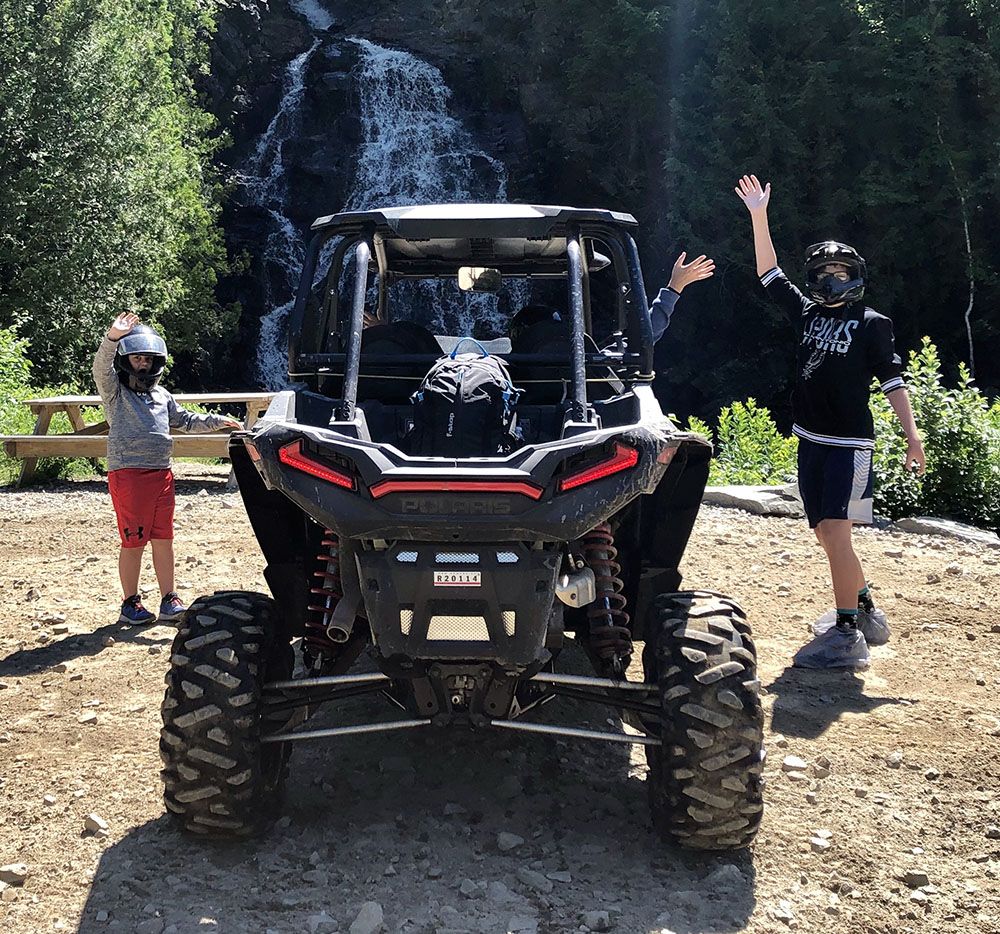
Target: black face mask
{"points": [[144, 382], [832, 291]]}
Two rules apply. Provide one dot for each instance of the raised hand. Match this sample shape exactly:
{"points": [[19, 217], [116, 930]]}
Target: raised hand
{"points": [[122, 325], [755, 196], [684, 274]]}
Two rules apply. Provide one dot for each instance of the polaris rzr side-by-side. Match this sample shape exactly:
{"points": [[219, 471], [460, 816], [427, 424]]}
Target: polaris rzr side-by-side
{"points": [[460, 510]]}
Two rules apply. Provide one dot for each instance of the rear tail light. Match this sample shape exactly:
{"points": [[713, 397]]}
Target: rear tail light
{"points": [[623, 458], [293, 456], [520, 487]]}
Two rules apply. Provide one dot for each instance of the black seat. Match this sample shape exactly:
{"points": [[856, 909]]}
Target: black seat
{"points": [[545, 384], [394, 382]]}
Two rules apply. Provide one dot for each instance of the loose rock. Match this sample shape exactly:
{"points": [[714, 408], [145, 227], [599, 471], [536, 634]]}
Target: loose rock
{"points": [[508, 841], [369, 920], [596, 920], [534, 880], [96, 825], [14, 873]]}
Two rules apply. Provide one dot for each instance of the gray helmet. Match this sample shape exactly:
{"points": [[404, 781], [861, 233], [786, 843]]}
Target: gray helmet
{"points": [[142, 339]]}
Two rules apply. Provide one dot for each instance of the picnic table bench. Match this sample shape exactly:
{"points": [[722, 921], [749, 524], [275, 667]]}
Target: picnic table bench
{"points": [[91, 441]]}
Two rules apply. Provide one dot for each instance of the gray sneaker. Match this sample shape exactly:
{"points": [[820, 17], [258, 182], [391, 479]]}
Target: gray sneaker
{"points": [[874, 625], [834, 648]]}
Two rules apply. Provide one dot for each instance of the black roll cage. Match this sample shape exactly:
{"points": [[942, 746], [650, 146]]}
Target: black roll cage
{"points": [[631, 358]]}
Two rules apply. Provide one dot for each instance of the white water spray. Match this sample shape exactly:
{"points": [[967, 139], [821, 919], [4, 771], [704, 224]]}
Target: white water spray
{"points": [[412, 151], [265, 185]]}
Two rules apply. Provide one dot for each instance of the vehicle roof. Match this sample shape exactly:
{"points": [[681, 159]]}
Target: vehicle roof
{"points": [[438, 236]]}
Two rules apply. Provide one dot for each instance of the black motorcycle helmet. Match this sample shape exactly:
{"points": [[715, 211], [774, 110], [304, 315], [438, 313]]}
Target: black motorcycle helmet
{"points": [[826, 289], [144, 340], [528, 318]]}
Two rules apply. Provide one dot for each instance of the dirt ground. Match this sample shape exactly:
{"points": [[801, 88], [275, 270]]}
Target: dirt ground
{"points": [[893, 825]]}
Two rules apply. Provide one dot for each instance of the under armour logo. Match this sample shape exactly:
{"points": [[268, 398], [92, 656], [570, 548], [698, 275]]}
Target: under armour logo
{"points": [[129, 533]]}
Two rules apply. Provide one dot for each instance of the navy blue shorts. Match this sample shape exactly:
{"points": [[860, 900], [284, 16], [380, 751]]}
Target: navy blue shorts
{"points": [[835, 482]]}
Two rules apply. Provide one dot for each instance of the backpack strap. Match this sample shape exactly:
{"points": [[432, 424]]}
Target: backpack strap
{"points": [[482, 349]]}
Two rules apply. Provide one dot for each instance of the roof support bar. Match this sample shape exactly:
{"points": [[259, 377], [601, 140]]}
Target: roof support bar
{"points": [[362, 256], [574, 254]]}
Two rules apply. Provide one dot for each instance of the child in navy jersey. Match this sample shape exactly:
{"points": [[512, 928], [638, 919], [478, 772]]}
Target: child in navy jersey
{"points": [[842, 346]]}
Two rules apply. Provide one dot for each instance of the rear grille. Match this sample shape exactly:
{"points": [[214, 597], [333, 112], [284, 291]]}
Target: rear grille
{"points": [[405, 621], [447, 557], [458, 629], [509, 618]]}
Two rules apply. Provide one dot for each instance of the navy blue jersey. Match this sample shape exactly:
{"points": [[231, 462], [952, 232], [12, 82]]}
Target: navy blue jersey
{"points": [[840, 351]]}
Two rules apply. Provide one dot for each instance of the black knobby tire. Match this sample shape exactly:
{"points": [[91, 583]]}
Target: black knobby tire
{"points": [[219, 779], [705, 782]]}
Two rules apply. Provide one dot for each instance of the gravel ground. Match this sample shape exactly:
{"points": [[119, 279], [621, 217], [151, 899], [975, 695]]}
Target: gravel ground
{"points": [[886, 819]]}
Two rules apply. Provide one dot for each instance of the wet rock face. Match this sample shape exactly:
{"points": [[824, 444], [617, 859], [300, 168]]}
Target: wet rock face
{"points": [[315, 143]]}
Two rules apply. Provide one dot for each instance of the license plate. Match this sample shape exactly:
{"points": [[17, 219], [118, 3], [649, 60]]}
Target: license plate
{"points": [[458, 579]]}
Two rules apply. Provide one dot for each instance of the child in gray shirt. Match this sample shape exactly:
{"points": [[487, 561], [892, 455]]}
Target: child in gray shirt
{"points": [[140, 413]]}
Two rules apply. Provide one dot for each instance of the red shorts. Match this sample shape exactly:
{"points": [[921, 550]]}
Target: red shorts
{"points": [[144, 504]]}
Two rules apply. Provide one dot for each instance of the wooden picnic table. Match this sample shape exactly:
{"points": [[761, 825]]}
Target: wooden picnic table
{"points": [[91, 441]]}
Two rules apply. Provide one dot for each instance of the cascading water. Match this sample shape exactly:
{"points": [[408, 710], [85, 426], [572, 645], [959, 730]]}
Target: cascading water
{"points": [[412, 151], [265, 185]]}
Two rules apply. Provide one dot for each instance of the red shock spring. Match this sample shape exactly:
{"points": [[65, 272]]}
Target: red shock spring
{"points": [[329, 591], [610, 636]]}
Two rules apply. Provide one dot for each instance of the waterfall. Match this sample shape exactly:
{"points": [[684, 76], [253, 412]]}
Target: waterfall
{"points": [[264, 184], [314, 14], [412, 151]]}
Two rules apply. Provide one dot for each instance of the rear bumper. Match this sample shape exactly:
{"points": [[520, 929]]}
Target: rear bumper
{"points": [[422, 499]]}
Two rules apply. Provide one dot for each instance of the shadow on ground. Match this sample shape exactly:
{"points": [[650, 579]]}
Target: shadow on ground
{"points": [[63, 651], [405, 820], [809, 701]]}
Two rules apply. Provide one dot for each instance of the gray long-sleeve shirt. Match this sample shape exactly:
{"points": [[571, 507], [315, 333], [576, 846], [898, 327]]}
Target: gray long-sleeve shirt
{"points": [[140, 422]]}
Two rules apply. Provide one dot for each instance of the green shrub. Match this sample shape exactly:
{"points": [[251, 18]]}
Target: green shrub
{"points": [[960, 431], [961, 435], [749, 448]]}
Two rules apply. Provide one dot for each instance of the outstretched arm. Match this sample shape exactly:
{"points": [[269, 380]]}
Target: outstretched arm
{"points": [[756, 198], [194, 423], [681, 276]]}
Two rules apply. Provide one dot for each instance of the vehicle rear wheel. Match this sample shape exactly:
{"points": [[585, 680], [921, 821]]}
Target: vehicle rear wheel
{"points": [[705, 782], [219, 778]]}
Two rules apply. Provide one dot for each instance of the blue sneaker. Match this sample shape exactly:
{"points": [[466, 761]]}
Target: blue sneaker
{"points": [[134, 612], [171, 608]]}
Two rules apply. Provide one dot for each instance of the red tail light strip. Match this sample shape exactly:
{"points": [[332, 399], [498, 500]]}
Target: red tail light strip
{"points": [[293, 456], [624, 458], [385, 487]]}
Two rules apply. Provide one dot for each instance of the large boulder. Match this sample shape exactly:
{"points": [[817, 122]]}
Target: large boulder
{"points": [[926, 525], [759, 500]]}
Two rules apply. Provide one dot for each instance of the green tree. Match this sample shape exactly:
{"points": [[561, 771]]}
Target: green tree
{"points": [[107, 198], [877, 123]]}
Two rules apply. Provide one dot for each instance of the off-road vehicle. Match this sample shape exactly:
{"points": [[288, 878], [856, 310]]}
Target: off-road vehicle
{"points": [[464, 577]]}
